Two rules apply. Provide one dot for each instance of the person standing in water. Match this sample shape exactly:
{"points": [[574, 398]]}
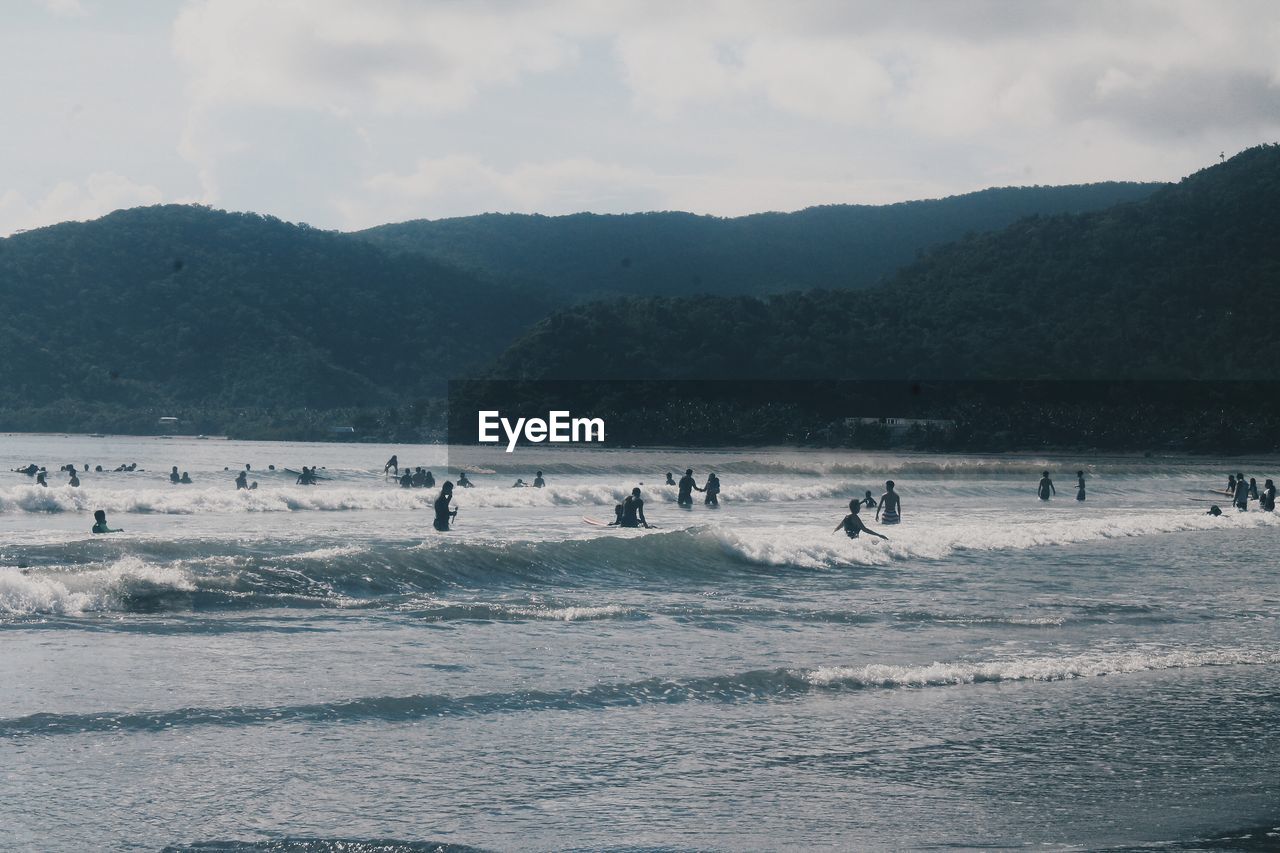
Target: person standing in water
{"points": [[890, 505], [242, 481], [853, 523], [538, 482], [443, 514], [40, 480], [174, 476], [1230, 490], [687, 485], [868, 501], [463, 481], [100, 523], [633, 510], [670, 481], [393, 465], [712, 489], [1253, 488], [1046, 489], [74, 482], [1267, 500], [1241, 499], [1079, 485]]}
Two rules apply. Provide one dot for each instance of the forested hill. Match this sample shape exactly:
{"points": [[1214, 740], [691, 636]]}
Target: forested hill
{"points": [[185, 304], [1185, 284], [584, 256]]}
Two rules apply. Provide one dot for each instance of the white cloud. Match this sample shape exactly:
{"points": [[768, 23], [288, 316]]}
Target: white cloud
{"points": [[99, 194], [66, 8]]}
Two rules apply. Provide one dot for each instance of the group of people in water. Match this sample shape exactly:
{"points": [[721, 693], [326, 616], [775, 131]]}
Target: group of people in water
{"points": [[1241, 492], [888, 511]]}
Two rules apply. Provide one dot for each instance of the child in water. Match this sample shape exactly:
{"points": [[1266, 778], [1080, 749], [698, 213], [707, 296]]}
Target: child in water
{"points": [[853, 524], [100, 523]]}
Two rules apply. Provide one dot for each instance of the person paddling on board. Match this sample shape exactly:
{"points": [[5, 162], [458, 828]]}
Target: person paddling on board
{"points": [[1079, 485], [852, 523], [868, 501], [1241, 499], [443, 514], [712, 488], [1046, 489], [633, 510], [687, 485], [393, 465], [100, 523], [538, 482], [31, 470], [890, 505]]}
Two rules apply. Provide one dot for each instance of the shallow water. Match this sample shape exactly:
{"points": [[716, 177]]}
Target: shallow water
{"points": [[317, 663]]}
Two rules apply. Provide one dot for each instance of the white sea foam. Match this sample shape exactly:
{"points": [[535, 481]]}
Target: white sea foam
{"points": [[1031, 669], [74, 591]]}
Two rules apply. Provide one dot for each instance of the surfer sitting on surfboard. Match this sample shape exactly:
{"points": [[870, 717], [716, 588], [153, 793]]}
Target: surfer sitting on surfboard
{"points": [[633, 510], [890, 505], [853, 524]]}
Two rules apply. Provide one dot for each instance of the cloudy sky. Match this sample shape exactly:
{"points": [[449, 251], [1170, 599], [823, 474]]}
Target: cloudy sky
{"points": [[350, 113]]}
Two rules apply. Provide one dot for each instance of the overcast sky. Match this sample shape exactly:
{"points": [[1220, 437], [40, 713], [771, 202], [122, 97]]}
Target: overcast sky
{"points": [[350, 113]]}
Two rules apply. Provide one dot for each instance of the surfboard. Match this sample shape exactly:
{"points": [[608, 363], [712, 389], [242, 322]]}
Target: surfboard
{"points": [[594, 522], [299, 474]]}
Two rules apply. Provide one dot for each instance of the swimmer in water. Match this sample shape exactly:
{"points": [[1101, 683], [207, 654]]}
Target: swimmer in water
{"points": [[443, 514], [1046, 489], [100, 523], [852, 523], [890, 505]]}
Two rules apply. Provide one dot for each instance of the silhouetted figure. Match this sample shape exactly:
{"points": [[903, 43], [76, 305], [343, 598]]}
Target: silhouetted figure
{"points": [[186, 479], [100, 523], [617, 516], [419, 479], [393, 465], [1079, 485], [853, 524], [633, 510], [868, 501], [242, 481], [1214, 511], [519, 484], [890, 509], [443, 514], [97, 469], [307, 477], [406, 479], [1231, 486], [1267, 500], [174, 476], [712, 490], [463, 481], [74, 482], [687, 485], [538, 482], [40, 480], [1253, 488], [670, 481], [30, 470], [1046, 489], [428, 480], [1242, 494]]}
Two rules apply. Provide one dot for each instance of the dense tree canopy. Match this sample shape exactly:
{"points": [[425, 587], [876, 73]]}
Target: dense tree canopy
{"points": [[1185, 284]]}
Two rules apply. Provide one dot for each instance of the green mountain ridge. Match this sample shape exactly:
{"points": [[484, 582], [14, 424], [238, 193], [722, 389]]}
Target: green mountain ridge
{"points": [[583, 256], [1182, 285]]}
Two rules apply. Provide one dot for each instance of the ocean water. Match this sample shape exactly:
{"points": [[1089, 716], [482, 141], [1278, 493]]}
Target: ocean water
{"points": [[315, 668]]}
